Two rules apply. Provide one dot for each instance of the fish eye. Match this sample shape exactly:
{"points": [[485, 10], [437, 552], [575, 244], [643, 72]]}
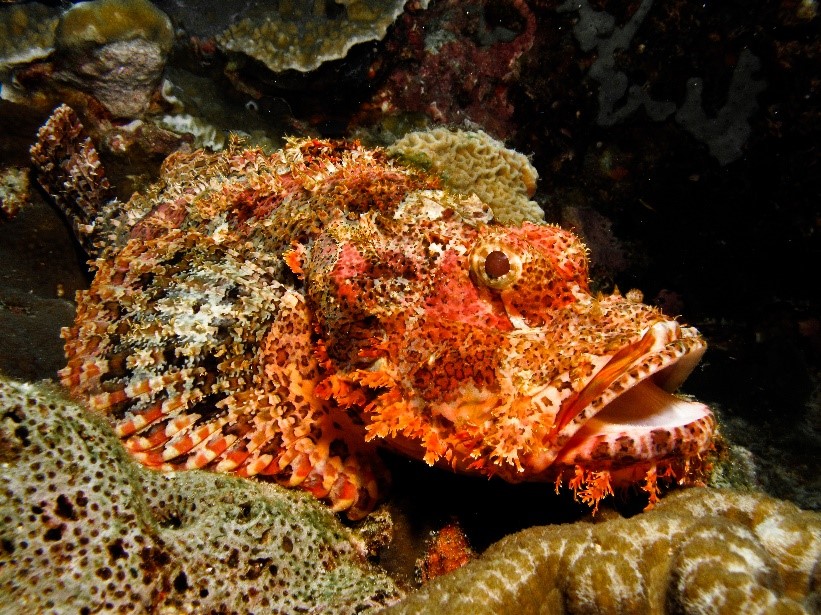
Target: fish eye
{"points": [[495, 266]]}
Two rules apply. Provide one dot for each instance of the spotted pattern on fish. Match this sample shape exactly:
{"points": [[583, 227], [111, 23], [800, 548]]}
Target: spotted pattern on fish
{"points": [[284, 315]]}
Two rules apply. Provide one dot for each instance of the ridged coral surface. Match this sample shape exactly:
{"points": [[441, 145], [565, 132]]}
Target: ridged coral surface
{"points": [[473, 161], [699, 552], [84, 529]]}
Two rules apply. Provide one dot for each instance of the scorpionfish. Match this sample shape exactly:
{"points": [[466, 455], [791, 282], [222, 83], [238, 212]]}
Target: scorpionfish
{"points": [[286, 315]]}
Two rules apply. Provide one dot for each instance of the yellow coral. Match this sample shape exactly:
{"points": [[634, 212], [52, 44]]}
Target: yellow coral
{"points": [[473, 161], [26, 35]]}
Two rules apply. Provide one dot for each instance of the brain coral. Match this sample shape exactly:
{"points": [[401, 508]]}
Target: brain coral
{"points": [[84, 529], [699, 551], [473, 161], [303, 35]]}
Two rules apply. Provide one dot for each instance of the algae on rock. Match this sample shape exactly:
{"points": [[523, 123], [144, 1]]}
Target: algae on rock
{"points": [[86, 529]]}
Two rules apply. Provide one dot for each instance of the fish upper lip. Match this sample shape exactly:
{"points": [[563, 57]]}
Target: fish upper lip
{"points": [[676, 350]]}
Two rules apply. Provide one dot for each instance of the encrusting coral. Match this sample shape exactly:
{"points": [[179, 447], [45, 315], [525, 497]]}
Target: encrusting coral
{"points": [[303, 35], [474, 162], [699, 552], [85, 529]]}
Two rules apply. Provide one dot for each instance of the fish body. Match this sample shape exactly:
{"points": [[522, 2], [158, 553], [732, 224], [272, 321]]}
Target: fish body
{"points": [[283, 315]]}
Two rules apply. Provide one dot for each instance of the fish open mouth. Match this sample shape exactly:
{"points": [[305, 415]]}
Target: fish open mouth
{"points": [[628, 413]]}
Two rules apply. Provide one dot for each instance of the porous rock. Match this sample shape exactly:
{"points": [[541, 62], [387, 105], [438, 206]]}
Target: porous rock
{"points": [[700, 551], [473, 161], [85, 529]]}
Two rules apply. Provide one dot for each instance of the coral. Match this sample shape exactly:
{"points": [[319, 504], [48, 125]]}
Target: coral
{"points": [[85, 529], [26, 35], [114, 50], [457, 63], [102, 22], [473, 161], [724, 134], [302, 35], [205, 134], [699, 551], [14, 190]]}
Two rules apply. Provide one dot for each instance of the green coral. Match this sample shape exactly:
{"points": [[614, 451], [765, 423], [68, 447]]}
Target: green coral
{"points": [[302, 35], [85, 529], [699, 551]]}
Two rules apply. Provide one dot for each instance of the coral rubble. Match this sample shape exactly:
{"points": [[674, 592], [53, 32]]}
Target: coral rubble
{"points": [[700, 551], [14, 190], [85, 529], [473, 161]]}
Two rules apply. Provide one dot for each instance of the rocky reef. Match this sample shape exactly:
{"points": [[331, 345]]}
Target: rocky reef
{"points": [[679, 140], [85, 529]]}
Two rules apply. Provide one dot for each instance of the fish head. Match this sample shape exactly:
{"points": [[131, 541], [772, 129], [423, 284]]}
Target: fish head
{"points": [[480, 347]]}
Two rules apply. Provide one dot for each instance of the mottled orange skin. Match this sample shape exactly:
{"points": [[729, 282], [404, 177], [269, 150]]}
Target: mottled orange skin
{"points": [[447, 550], [280, 315]]}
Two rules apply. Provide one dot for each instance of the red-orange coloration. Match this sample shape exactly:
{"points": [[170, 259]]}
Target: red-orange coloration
{"points": [[448, 550], [281, 315]]}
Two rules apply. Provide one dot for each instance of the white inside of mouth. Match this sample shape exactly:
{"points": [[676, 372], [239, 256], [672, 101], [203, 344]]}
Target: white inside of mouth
{"points": [[646, 405]]}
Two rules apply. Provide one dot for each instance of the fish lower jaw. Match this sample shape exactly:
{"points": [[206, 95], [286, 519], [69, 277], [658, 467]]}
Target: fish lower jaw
{"points": [[644, 425]]}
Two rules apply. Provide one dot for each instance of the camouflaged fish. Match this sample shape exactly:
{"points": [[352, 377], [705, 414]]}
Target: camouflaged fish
{"points": [[283, 315]]}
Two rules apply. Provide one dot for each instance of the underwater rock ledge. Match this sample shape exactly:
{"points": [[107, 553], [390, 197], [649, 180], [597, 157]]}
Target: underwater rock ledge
{"points": [[86, 529]]}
